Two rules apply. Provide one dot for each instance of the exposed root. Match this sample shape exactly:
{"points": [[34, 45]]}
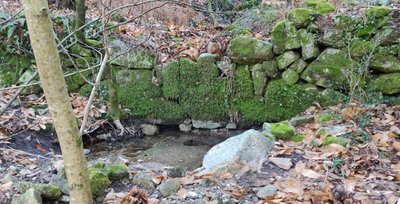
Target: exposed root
{"points": [[120, 127]]}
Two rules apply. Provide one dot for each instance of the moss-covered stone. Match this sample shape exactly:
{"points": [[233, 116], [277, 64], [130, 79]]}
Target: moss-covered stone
{"points": [[334, 140], [310, 87], [48, 191], [297, 138], [333, 38], [135, 58], [98, 181], [284, 37], [11, 68], [300, 17], [207, 67], [244, 50], [284, 101], [359, 48], [116, 172], [189, 73], [299, 66], [309, 48], [251, 111], [331, 97], [329, 69], [94, 43], [282, 130], [385, 63], [81, 51], [76, 81], [324, 118], [377, 12], [243, 84], [171, 86], [31, 196], [388, 36], [347, 23], [206, 102], [387, 83], [320, 6], [271, 68], [290, 77], [260, 79], [286, 59], [84, 62]]}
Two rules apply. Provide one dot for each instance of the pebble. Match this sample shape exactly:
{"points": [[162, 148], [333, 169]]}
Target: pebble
{"points": [[266, 191], [283, 163]]}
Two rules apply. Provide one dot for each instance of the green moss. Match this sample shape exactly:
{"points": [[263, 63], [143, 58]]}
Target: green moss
{"points": [[290, 77], [387, 83], [297, 138], [284, 101], [99, 165], [171, 80], [320, 6], [84, 62], [85, 90], [377, 12], [244, 50], [251, 111], [243, 84], [359, 48], [334, 140], [334, 38], [324, 118], [189, 73], [208, 70], [98, 181], [298, 66], [260, 80], [76, 81], [321, 132], [331, 97], [117, 171], [300, 17], [282, 131], [348, 23], [385, 63], [49, 191], [81, 51], [278, 36], [94, 43], [11, 67], [206, 102], [271, 68]]}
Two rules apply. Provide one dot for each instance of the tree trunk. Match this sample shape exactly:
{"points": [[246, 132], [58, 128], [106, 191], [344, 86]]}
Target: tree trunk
{"points": [[55, 89], [80, 20], [114, 112]]}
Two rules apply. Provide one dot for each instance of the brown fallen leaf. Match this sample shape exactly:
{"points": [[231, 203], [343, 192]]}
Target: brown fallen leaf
{"points": [[311, 174], [40, 148], [396, 146]]}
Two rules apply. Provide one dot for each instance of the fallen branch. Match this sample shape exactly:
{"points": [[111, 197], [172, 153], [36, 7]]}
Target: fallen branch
{"points": [[93, 93]]}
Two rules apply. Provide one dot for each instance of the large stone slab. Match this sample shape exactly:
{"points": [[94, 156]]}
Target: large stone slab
{"points": [[245, 49], [249, 148], [31, 196], [131, 56]]}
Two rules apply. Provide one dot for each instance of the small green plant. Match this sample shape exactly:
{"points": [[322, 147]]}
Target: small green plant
{"points": [[337, 164]]}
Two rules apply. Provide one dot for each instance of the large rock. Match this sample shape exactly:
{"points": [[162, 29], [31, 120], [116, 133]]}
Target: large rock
{"points": [[329, 69], [290, 77], [286, 59], [249, 148], [31, 196], [48, 191], [320, 6], [284, 37], [169, 187], [130, 56], [388, 83], [206, 124], [144, 180], [309, 47], [244, 49], [259, 79], [300, 17], [385, 63]]}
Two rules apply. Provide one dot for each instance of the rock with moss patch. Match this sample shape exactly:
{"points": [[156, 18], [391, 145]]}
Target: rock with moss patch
{"points": [[324, 118], [297, 138], [243, 84], [171, 82], [98, 181], [176, 172], [136, 58], [259, 78], [334, 140], [300, 17], [117, 171], [320, 6], [388, 83], [329, 69], [244, 50], [334, 38], [284, 37], [11, 68], [347, 23], [309, 48], [31, 196], [377, 12], [271, 68], [283, 101], [298, 66], [81, 51], [359, 48], [286, 59], [47, 191], [385, 63], [169, 187], [281, 131], [332, 97], [144, 180], [290, 77], [207, 67]]}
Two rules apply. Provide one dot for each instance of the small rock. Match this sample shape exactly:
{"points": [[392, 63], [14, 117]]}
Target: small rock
{"points": [[61, 182], [283, 163], [65, 199], [187, 121], [169, 187], [47, 191], [25, 172], [176, 172], [206, 124], [193, 194], [104, 136], [266, 191], [231, 126], [301, 120], [31, 196], [185, 127], [396, 146], [144, 180], [149, 129], [86, 151]]}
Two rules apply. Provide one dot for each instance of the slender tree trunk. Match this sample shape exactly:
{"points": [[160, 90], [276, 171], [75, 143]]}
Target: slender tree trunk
{"points": [[114, 112], [80, 20], [54, 87]]}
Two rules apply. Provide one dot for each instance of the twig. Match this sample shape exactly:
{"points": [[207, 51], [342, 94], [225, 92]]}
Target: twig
{"points": [[93, 93], [4, 108], [23, 152]]}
